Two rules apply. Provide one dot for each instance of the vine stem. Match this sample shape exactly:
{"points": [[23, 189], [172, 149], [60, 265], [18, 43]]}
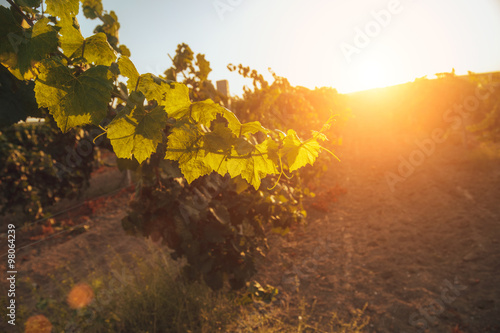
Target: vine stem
{"points": [[64, 56], [83, 48], [18, 9], [137, 84]]}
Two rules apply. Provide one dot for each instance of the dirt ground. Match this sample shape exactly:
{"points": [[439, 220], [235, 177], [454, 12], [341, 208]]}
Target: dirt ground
{"points": [[424, 254]]}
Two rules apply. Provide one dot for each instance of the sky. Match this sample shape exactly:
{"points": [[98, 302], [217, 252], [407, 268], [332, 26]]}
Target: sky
{"points": [[349, 45]]}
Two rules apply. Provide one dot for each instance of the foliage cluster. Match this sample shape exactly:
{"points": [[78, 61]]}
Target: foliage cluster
{"points": [[40, 165], [154, 124], [220, 225]]}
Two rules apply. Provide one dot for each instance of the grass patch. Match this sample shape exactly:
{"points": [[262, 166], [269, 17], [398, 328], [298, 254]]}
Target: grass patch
{"points": [[147, 294]]}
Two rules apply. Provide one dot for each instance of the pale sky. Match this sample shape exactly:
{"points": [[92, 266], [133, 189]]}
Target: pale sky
{"points": [[337, 43]]}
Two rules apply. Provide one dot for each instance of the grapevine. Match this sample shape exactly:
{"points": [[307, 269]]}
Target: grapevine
{"points": [[76, 80], [184, 144]]}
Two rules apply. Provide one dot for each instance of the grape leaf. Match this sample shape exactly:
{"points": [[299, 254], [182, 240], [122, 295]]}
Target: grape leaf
{"points": [[135, 132], [11, 36], [298, 153], [185, 146], [240, 129], [172, 96], [8, 26], [71, 38], [254, 166], [151, 86], [97, 50], [17, 99], [175, 97], [73, 101], [62, 8], [201, 112], [217, 144], [28, 3], [42, 42], [127, 69]]}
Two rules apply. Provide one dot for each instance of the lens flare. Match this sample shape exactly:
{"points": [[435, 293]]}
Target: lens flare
{"points": [[80, 296], [38, 324]]}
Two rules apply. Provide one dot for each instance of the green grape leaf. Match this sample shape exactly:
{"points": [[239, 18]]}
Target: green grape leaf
{"points": [[43, 41], [10, 30], [220, 139], [169, 94], [71, 38], [17, 99], [73, 101], [199, 153], [185, 146], [28, 3], [254, 166], [217, 144], [194, 168], [297, 153], [62, 8], [135, 132], [12, 35], [175, 97], [97, 50], [152, 87], [127, 69], [201, 112], [240, 129]]}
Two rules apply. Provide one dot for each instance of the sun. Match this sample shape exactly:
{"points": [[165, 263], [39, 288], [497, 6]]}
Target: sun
{"points": [[372, 74]]}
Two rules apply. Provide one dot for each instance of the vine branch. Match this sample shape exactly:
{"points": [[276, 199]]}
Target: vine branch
{"points": [[20, 11]]}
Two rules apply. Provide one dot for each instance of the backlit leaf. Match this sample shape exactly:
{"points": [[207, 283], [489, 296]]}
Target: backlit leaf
{"points": [[71, 38], [127, 69], [97, 50], [135, 132], [43, 41], [297, 153], [73, 101], [255, 166], [62, 8]]}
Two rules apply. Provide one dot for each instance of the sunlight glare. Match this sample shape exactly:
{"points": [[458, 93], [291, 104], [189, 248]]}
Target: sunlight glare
{"points": [[372, 74], [80, 296], [38, 324]]}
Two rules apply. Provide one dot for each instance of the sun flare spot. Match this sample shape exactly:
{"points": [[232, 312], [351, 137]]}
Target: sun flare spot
{"points": [[38, 324], [80, 296], [372, 74]]}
